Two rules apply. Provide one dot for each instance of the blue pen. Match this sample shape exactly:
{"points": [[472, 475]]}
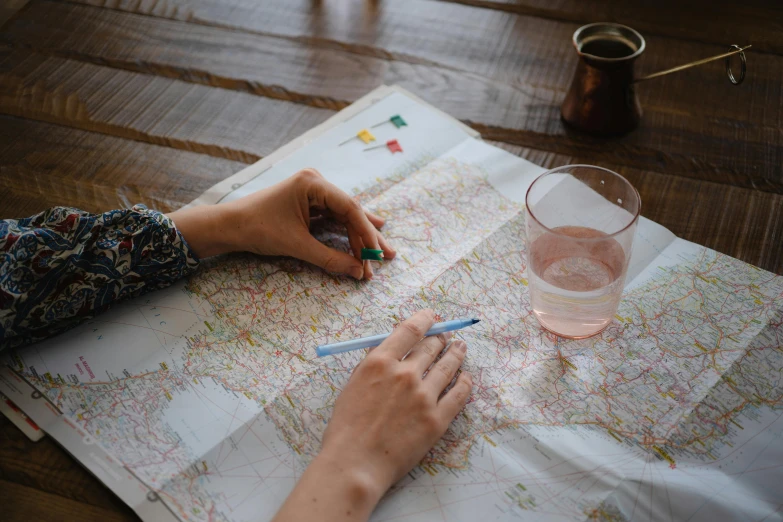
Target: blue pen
{"points": [[375, 340]]}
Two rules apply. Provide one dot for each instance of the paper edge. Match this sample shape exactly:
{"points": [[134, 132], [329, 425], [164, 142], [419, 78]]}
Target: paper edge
{"points": [[218, 191], [83, 448]]}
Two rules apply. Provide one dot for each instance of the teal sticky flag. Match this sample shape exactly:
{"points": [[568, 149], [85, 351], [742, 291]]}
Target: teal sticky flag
{"points": [[398, 121], [372, 254]]}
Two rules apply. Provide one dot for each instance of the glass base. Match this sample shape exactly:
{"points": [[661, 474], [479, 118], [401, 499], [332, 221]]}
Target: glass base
{"points": [[574, 337]]}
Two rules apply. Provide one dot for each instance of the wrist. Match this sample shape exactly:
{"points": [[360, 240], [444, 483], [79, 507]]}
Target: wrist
{"points": [[360, 485], [209, 230], [331, 490]]}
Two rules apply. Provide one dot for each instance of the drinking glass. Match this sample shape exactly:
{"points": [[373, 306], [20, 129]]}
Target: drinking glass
{"points": [[581, 222]]}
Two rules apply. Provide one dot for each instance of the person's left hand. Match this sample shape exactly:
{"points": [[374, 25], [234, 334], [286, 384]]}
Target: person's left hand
{"points": [[276, 221]]}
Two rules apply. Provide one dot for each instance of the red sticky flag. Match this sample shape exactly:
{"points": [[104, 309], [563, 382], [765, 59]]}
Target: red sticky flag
{"points": [[394, 146]]}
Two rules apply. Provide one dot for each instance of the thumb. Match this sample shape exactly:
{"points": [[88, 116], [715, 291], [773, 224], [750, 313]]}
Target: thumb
{"points": [[330, 259]]}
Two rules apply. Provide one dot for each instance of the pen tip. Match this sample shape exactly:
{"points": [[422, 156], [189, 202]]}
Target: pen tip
{"points": [[475, 321]]}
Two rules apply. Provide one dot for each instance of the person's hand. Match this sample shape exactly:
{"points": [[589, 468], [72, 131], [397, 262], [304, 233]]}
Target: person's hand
{"points": [[276, 221], [388, 416], [384, 422]]}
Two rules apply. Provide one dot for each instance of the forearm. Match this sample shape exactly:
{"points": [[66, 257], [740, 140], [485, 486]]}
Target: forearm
{"points": [[65, 265], [331, 490]]}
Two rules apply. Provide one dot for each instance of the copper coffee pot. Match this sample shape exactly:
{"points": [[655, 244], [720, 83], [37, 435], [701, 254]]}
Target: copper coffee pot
{"points": [[602, 98]]}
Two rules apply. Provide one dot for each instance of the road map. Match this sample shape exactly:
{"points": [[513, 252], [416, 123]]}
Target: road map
{"points": [[206, 401]]}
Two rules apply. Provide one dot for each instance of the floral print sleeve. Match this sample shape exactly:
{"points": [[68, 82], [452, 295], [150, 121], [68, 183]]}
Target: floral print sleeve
{"points": [[63, 266]]}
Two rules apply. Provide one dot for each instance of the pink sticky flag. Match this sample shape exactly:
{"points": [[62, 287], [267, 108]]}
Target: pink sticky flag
{"points": [[394, 146]]}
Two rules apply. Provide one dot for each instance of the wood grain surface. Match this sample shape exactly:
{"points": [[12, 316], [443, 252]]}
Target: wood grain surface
{"points": [[696, 123], [108, 103], [43, 473], [154, 109], [96, 172], [721, 23]]}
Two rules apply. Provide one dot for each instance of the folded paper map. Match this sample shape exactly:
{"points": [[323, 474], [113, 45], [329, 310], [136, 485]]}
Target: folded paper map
{"points": [[206, 401]]}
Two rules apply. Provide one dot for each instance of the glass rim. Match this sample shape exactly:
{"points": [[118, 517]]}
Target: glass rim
{"points": [[594, 167]]}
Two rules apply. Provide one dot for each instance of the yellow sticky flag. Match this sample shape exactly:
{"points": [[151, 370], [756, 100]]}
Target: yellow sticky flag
{"points": [[365, 136]]}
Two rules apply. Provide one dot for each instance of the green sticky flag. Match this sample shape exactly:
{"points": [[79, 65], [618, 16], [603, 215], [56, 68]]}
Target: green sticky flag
{"points": [[372, 254], [398, 121]]}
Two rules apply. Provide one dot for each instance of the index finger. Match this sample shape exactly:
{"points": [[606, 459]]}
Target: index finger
{"points": [[348, 211], [410, 332]]}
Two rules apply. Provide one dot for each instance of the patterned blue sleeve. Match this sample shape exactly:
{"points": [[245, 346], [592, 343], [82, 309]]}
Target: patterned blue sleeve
{"points": [[63, 266]]}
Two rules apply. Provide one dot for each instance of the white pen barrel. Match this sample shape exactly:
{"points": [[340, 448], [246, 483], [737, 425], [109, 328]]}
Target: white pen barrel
{"points": [[347, 346], [448, 326], [375, 340]]}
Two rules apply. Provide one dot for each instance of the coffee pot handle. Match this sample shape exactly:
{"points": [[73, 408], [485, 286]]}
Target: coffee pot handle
{"points": [[734, 49]]}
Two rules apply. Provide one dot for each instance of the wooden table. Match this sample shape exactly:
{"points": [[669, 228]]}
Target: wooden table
{"points": [[107, 103]]}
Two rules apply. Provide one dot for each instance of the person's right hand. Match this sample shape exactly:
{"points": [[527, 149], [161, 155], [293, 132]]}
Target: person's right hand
{"points": [[385, 420], [388, 416]]}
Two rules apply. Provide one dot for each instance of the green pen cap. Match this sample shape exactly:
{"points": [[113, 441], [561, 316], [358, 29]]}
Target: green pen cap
{"points": [[370, 254]]}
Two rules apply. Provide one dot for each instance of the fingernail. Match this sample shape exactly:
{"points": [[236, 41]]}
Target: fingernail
{"points": [[357, 272], [448, 335], [368, 270], [461, 346], [468, 377]]}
